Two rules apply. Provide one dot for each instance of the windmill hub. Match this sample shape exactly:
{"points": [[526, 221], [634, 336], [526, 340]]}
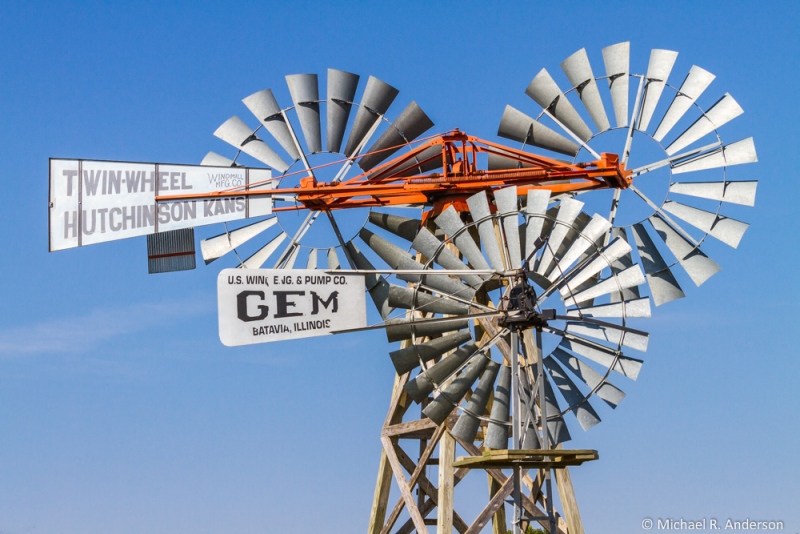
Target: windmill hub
{"points": [[520, 307]]}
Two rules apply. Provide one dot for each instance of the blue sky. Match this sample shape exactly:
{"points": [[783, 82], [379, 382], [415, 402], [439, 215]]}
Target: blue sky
{"points": [[120, 410]]}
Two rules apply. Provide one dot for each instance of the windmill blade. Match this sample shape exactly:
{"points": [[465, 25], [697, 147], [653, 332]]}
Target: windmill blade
{"points": [[342, 87], [729, 231], [400, 329], [262, 255], [504, 163], [408, 299], [378, 287], [517, 126], [399, 259], [441, 406], [424, 383], [217, 246], [617, 62], [535, 209], [619, 265], [479, 209], [639, 307], [506, 200], [289, 264], [580, 75], [608, 254], [577, 401], [212, 159], [594, 380], [661, 63], [304, 89], [568, 210], [663, 285], [466, 428], [696, 82], [236, 133], [377, 98], [545, 92], [743, 193], [411, 123], [698, 266], [527, 416], [597, 228], [610, 333], [266, 109], [497, 430], [409, 358], [630, 277], [312, 259], [333, 260], [428, 160], [737, 153], [429, 246], [723, 111], [399, 226], [556, 427], [449, 221], [605, 356]]}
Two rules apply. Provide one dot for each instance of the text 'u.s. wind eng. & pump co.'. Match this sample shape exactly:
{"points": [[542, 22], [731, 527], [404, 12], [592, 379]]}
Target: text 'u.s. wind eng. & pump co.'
{"points": [[263, 305]]}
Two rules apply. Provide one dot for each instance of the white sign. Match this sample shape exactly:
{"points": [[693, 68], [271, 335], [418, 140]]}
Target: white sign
{"points": [[263, 305], [98, 201]]}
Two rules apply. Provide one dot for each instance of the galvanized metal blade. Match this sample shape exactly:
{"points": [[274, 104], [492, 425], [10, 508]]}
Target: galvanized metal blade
{"points": [[304, 89], [341, 90], [217, 246], [545, 92], [617, 62], [429, 246], [698, 266], [594, 380], [504, 163], [619, 265], [266, 109], [400, 329], [610, 333], [580, 75], [497, 429], [312, 259], [608, 254], [441, 406], [399, 226], [517, 126], [729, 231], [737, 153], [428, 160], [466, 428], [743, 193], [449, 221], [262, 255], [605, 356], [528, 417], [723, 111], [597, 228], [411, 123], [236, 133], [212, 159], [535, 209], [479, 209], [695, 83], [639, 307], [408, 358], [333, 260], [507, 207], [630, 277], [407, 298], [568, 210], [378, 287], [424, 383], [578, 402], [661, 63], [377, 98], [556, 427], [663, 285]]}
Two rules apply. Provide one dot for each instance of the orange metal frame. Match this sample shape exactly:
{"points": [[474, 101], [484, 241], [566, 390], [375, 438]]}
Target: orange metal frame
{"points": [[395, 183]]}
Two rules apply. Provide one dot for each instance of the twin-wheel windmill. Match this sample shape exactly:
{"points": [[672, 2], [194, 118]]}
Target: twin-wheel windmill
{"points": [[513, 310]]}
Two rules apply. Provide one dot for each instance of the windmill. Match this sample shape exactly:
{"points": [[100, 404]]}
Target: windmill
{"points": [[516, 311]]}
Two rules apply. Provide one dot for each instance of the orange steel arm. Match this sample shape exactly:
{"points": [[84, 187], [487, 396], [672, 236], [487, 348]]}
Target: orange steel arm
{"points": [[454, 157]]}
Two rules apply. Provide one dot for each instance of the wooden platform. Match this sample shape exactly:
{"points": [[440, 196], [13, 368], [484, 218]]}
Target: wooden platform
{"points": [[527, 459]]}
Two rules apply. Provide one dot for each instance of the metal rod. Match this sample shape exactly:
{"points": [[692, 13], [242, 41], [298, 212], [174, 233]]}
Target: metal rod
{"points": [[515, 428]]}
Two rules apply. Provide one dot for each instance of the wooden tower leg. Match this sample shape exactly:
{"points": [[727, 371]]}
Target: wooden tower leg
{"points": [[447, 454]]}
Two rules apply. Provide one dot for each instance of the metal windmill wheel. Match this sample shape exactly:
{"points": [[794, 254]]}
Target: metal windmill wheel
{"points": [[686, 136]]}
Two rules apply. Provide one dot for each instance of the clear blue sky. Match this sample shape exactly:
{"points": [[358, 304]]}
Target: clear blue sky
{"points": [[120, 410]]}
